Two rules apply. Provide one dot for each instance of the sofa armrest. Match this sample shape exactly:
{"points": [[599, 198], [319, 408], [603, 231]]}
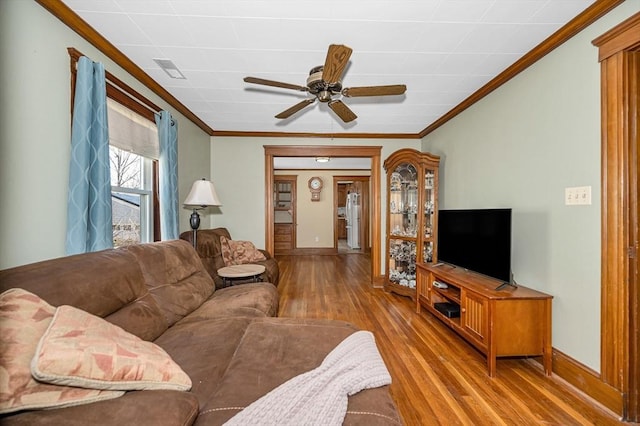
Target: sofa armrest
{"points": [[210, 251]]}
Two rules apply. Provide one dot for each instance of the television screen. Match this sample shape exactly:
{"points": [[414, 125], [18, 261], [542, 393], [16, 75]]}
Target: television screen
{"points": [[478, 240]]}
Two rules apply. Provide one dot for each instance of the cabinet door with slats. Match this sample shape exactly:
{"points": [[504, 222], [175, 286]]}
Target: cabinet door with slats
{"points": [[474, 317]]}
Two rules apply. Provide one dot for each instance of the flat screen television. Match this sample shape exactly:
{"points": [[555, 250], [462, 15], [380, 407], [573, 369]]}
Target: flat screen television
{"points": [[476, 239]]}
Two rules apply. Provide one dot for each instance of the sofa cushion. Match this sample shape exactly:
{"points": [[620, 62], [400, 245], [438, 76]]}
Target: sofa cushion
{"points": [[209, 249], [24, 317], [174, 275], [80, 349], [204, 350], [239, 252], [253, 300], [274, 350], [321, 393], [108, 284]]}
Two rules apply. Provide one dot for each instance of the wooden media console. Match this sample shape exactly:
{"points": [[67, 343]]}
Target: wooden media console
{"points": [[509, 321]]}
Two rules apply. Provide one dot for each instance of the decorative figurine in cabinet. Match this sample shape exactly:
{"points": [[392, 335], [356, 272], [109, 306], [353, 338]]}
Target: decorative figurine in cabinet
{"points": [[412, 199]]}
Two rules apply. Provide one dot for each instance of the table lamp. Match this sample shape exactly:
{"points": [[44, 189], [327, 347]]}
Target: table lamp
{"points": [[202, 195]]}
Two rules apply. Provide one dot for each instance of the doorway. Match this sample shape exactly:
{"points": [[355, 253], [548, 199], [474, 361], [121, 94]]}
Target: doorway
{"points": [[371, 152], [284, 213], [351, 206]]}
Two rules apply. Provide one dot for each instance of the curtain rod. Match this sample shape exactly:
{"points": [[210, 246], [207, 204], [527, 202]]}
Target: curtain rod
{"points": [[119, 85]]}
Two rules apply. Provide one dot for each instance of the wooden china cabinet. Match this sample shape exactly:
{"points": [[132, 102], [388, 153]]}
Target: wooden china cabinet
{"points": [[412, 206]]}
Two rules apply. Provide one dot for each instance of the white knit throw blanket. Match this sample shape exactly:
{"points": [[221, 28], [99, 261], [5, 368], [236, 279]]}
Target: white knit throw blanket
{"points": [[319, 397]]}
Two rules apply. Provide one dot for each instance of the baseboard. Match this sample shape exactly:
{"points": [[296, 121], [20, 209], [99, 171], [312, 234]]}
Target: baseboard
{"points": [[587, 381], [313, 251], [378, 282]]}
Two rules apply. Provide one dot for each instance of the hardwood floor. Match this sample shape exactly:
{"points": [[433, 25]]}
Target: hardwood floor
{"points": [[438, 378]]}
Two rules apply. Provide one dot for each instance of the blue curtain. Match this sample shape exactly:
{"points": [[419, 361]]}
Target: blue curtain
{"points": [[89, 226], [168, 171]]}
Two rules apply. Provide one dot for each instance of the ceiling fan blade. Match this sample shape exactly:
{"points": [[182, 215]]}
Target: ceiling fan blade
{"points": [[337, 57], [255, 80], [297, 107], [343, 111], [396, 89]]}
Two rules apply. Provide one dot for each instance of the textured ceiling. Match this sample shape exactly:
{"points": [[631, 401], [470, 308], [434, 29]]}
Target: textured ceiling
{"points": [[443, 50]]}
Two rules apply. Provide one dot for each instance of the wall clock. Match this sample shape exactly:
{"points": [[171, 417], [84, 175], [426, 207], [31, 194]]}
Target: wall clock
{"points": [[315, 186]]}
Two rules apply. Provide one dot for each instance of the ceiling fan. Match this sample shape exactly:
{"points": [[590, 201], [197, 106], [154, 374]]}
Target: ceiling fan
{"points": [[324, 82]]}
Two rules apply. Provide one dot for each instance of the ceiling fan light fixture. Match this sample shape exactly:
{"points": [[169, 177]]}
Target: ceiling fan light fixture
{"points": [[324, 96], [322, 159]]}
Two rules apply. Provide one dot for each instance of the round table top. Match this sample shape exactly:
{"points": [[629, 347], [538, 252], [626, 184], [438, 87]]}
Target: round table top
{"points": [[240, 271]]}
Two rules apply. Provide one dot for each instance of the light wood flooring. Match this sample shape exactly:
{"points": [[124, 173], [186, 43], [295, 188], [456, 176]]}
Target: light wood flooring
{"points": [[438, 378]]}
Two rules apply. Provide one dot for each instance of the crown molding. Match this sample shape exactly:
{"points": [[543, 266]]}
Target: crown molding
{"points": [[86, 31], [82, 28], [573, 27]]}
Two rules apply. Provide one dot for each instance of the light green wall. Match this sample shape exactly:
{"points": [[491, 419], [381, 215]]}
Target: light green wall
{"points": [[35, 132], [238, 171], [520, 147]]}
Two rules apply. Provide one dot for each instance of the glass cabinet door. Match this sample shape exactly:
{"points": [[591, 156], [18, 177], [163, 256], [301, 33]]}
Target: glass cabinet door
{"points": [[403, 224], [403, 202], [428, 234], [402, 262]]}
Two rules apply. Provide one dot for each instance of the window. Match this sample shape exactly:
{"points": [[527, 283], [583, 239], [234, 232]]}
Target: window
{"points": [[131, 207], [133, 149], [132, 129]]}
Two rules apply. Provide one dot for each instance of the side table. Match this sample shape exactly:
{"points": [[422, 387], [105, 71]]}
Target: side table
{"points": [[228, 273]]}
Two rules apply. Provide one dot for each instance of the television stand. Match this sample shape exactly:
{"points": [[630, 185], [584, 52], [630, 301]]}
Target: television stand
{"points": [[500, 321]]}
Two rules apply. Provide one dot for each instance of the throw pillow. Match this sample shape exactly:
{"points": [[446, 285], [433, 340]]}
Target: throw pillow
{"points": [[227, 256], [80, 349], [240, 252], [24, 317]]}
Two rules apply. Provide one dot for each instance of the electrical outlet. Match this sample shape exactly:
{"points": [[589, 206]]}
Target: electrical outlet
{"points": [[317, 239], [577, 195]]}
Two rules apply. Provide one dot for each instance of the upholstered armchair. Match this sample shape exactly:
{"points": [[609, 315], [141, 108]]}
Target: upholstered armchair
{"points": [[210, 251]]}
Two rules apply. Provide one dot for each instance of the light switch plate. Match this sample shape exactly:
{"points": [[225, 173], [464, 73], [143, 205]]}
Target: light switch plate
{"points": [[577, 195]]}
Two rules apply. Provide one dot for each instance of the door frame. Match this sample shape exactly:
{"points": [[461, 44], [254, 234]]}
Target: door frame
{"points": [[365, 199], [619, 56], [371, 152]]}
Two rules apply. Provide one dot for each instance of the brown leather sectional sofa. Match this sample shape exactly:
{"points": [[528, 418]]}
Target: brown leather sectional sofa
{"points": [[210, 251], [228, 341]]}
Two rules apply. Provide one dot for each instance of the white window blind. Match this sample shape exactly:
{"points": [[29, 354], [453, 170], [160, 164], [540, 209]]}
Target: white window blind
{"points": [[132, 132]]}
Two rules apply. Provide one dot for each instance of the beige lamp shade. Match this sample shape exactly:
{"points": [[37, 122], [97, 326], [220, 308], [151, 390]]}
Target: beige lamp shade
{"points": [[202, 194]]}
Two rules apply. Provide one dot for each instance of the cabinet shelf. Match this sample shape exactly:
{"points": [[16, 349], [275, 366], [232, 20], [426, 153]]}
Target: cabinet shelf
{"points": [[402, 237], [451, 293], [499, 323]]}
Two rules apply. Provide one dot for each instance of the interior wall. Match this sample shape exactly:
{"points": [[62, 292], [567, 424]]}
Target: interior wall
{"points": [[238, 171], [520, 147], [35, 123]]}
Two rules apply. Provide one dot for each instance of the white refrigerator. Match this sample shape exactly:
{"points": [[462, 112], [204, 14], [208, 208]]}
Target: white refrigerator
{"points": [[352, 217]]}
